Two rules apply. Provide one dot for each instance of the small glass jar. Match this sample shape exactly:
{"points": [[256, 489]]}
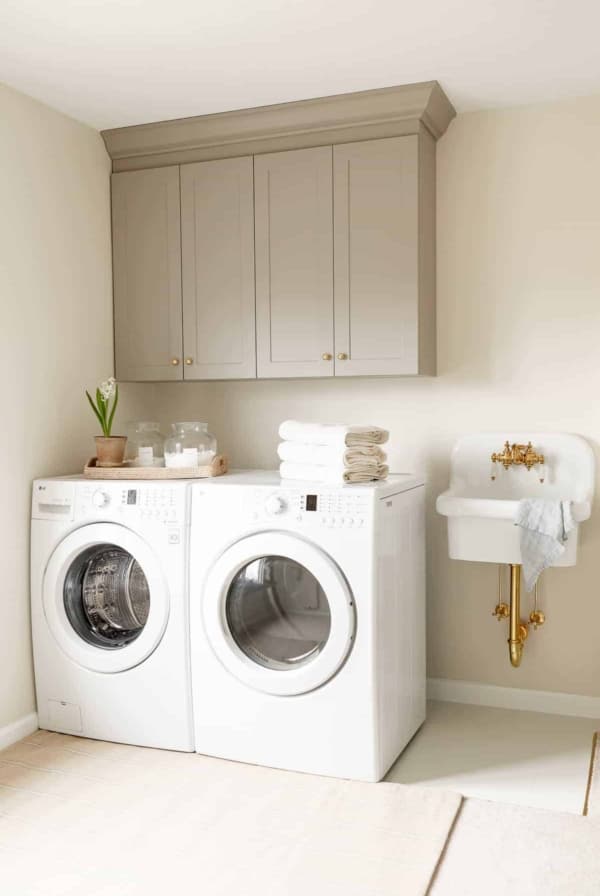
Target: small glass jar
{"points": [[190, 445], [145, 445]]}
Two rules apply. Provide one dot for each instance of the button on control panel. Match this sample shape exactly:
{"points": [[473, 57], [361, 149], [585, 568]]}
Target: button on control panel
{"points": [[155, 503], [340, 509]]}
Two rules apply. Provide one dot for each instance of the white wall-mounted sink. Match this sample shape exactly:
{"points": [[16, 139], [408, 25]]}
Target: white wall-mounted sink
{"points": [[481, 511]]}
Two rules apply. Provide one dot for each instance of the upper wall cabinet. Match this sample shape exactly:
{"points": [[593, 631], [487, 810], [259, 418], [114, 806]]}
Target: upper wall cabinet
{"points": [[217, 221], [294, 263], [384, 230], [147, 274], [299, 243]]}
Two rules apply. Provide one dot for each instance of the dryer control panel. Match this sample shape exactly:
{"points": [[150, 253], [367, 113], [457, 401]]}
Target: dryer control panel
{"points": [[333, 508]]}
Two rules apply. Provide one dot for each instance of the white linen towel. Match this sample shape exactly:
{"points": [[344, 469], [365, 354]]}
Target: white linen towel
{"points": [[330, 454], [545, 527], [332, 434], [332, 474]]}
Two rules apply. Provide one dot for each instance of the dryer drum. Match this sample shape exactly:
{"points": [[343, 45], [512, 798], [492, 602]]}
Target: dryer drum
{"points": [[106, 596], [277, 613]]}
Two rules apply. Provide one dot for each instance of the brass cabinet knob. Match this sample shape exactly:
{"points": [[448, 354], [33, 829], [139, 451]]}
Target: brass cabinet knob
{"points": [[174, 361], [189, 361], [342, 356], [326, 356]]}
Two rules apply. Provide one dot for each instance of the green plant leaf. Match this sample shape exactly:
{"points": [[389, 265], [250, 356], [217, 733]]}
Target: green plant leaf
{"points": [[95, 409], [101, 409], [114, 408]]}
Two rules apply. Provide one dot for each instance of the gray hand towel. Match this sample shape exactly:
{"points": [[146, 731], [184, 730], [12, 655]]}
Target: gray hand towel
{"points": [[545, 527]]}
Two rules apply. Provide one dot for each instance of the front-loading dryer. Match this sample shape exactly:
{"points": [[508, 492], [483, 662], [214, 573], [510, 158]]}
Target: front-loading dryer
{"points": [[109, 607], [308, 622]]}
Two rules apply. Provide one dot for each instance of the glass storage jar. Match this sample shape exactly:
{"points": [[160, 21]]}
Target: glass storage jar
{"points": [[145, 445], [190, 445]]}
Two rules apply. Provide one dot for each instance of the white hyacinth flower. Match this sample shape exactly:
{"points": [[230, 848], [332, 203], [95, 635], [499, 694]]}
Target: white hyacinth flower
{"points": [[107, 388]]}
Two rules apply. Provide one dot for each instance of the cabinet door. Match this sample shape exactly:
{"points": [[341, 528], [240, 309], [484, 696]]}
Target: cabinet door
{"points": [[147, 274], [217, 220], [376, 212], [294, 263]]}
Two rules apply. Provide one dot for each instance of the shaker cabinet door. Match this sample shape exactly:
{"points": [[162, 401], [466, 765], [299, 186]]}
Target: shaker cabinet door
{"points": [[294, 263], [147, 274], [376, 245], [217, 219]]}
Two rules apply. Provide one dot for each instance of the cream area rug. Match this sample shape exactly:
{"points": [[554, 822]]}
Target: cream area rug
{"points": [[497, 849], [87, 818]]}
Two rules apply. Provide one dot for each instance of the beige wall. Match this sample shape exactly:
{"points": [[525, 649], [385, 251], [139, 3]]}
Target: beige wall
{"points": [[55, 337], [519, 347]]}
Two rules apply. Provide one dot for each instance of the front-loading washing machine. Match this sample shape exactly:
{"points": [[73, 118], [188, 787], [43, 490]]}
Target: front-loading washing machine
{"points": [[110, 613], [308, 622]]}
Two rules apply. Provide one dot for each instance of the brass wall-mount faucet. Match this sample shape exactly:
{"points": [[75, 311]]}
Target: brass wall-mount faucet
{"points": [[518, 455]]}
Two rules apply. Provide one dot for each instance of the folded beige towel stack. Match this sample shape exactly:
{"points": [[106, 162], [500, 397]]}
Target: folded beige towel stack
{"points": [[332, 453]]}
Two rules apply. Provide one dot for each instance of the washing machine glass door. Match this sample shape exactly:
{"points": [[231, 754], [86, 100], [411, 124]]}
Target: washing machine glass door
{"points": [[279, 613], [105, 598]]}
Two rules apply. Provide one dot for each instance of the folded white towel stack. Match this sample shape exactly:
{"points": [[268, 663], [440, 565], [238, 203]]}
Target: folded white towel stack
{"points": [[332, 453]]}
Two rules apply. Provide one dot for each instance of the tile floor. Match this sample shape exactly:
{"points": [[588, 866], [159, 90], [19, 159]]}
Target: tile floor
{"points": [[510, 756]]}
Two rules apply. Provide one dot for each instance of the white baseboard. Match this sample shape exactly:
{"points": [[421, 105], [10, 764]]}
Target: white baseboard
{"points": [[454, 691], [15, 731]]}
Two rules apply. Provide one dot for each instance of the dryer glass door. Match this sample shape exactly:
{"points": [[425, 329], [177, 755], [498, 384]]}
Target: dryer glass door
{"points": [[277, 612]]}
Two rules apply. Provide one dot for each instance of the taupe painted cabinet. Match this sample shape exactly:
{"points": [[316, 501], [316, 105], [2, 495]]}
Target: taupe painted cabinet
{"points": [[184, 272], [384, 276], [147, 274], [344, 259], [343, 238], [217, 230], [294, 263], [291, 240]]}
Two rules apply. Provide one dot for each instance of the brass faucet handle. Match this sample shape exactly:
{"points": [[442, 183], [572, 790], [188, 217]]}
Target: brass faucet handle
{"points": [[537, 618], [501, 611], [531, 457]]}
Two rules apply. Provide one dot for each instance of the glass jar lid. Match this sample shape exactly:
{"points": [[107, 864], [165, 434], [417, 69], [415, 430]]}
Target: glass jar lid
{"points": [[189, 425], [146, 426]]}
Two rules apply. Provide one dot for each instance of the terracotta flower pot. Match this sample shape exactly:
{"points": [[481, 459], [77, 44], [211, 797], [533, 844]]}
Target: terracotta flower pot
{"points": [[110, 450]]}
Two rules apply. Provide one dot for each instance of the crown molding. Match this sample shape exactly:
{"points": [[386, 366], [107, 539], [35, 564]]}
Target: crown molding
{"points": [[369, 114]]}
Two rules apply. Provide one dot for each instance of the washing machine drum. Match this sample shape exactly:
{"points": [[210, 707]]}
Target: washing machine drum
{"points": [[106, 596]]}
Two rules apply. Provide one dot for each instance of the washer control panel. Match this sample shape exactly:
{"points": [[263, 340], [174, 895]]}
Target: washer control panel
{"points": [[332, 508], [129, 501]]}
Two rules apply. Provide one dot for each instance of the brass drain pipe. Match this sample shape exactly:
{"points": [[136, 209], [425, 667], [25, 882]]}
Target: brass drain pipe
{"points": [[518, 630]]}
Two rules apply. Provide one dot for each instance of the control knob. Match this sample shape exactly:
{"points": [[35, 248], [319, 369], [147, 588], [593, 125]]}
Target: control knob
{"points": [[100, 499], [274, 504]]}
